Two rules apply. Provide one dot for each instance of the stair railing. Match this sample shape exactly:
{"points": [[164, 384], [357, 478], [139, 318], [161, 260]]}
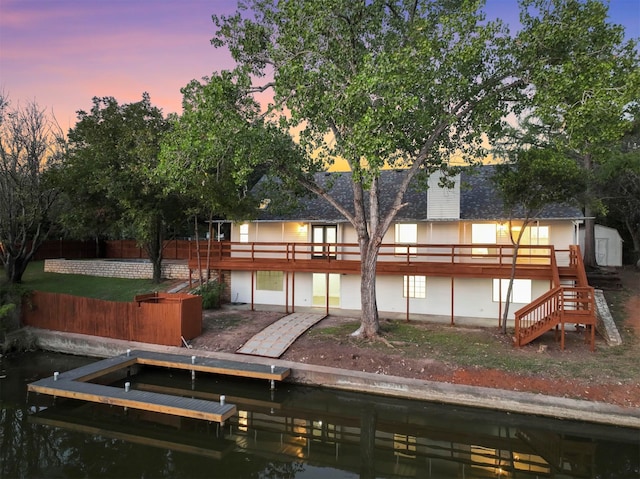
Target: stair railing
{"points": [[543, 310]]}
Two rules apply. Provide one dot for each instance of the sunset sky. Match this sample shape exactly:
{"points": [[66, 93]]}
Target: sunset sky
{"points": [[62, 53]]}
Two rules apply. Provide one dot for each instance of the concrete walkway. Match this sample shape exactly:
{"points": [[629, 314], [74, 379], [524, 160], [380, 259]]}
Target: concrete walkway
{"points": [[274, 340]]}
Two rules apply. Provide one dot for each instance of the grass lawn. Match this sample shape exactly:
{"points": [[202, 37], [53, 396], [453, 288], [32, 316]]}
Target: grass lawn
{"points": [[110, 289]]}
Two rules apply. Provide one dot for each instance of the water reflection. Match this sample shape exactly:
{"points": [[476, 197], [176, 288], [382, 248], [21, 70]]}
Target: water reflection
{"points": [[293, 432]]}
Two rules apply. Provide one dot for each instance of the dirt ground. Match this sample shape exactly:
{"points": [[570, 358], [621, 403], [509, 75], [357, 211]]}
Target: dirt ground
{"points": [[226, 330]]}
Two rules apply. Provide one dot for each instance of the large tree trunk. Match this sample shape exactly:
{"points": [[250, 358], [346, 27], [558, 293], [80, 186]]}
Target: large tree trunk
{"points": [[635, 238], [15, 268], [369, 324], [589, 253], [154, 250], [507, 302]]}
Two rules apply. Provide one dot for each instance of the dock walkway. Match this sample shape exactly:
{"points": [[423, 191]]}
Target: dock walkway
{"points": [[134, 399], [275, 339], [75, 384]]}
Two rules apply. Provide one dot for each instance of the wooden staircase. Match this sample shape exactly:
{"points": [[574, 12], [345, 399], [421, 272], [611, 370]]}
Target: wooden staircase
{"points": [[571, 300]]}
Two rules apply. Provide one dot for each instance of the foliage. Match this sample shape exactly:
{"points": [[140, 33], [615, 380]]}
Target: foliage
{"points": [[211, 293], [402, 84], [10, 301], [213, 147], [532, 180], [535, 179], [114, 150], [585, 86], [619, 186], [30, 144], [374, 83]]}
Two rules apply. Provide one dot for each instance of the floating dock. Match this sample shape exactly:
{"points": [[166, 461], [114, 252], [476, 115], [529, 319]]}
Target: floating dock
{"points": [[75, 384]]}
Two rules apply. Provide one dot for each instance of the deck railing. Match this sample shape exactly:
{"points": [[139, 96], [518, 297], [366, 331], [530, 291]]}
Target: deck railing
{"points": [[398, 253]]}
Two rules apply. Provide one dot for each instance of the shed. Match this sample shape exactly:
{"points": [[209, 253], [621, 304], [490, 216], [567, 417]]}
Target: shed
{"points": [[608, 245]]}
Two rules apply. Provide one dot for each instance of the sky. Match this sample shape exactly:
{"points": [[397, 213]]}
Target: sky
{"points": [[62, 53]]}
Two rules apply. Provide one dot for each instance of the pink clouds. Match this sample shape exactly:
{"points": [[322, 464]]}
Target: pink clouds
{"points": [[62, 53]]}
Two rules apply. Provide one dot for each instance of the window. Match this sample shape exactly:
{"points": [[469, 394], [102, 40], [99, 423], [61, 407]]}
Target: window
{"points": [[415, 286], [406, 234], [404, 446], [244, 233], [521, 292], [324, 236], [482, 234], [269, 280]]}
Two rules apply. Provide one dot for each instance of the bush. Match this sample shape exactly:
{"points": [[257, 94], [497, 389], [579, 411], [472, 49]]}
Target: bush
{"points": [[211, 293], [10, 301]]}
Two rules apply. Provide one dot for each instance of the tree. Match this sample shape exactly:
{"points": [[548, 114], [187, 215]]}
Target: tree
{"points": [[30, 144], [115, 149], [619, 186], [384, 83], [586, 86], [531, 181], [215, 151]]}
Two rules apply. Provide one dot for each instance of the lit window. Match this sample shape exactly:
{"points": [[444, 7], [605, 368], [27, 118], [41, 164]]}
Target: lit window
{"points": [[482, 234], [244, 233], [415, 286], [406, 234], [521, 292], [269, 280]]}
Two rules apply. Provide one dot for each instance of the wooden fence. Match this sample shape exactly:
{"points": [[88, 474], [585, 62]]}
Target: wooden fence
{"points": [[69, 249], [125, 249], [157, 318]]}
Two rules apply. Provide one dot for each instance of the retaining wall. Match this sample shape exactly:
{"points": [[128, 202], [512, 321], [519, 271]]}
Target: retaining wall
{"points": [[116, 269], [308, 374]]}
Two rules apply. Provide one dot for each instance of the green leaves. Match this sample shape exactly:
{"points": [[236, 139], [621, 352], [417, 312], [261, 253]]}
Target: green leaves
{"points": [[535, 178]]}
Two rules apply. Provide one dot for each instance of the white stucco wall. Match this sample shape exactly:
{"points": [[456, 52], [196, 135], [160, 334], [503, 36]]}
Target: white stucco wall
{"points": [[472, 297]]}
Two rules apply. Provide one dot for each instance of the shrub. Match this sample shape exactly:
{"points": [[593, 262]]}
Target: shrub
{"points": [[211, 293], [11, 296]]}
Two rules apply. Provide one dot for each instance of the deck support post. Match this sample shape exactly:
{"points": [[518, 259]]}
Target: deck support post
{"points": [[452, 301], [327, 294], [273, 383], [252, 288], [293, 292], [407, 294], [286, 292]]}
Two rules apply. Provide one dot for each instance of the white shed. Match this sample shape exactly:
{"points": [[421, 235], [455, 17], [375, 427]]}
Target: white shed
{"points": [[608, 245]]}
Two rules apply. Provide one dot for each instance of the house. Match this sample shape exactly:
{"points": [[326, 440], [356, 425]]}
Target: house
{"points": [[447, 253]]}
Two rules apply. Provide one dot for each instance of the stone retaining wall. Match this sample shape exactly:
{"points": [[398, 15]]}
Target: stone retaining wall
{"points": [[604, 321], [116, 269]]}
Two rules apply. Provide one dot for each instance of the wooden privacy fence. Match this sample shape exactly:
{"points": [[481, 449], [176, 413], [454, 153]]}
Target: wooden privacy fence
{"points": [[157, 318]]}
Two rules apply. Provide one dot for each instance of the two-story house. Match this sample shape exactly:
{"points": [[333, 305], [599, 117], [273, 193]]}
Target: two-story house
{"points": [[447, 253]]}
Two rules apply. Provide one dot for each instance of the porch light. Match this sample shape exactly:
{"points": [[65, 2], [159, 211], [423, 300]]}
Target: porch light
{"points": [[302, 228]]}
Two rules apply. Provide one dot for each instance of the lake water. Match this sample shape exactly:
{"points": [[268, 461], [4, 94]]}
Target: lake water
{"points": [[293, 432]]}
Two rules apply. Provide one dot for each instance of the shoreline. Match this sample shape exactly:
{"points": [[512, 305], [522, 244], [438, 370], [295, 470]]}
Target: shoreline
{"points": [[371, 383]]}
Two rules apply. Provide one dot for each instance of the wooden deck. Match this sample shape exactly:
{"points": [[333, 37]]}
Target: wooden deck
{"points": [[212, 366], [445, 260], [74, 384]]}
